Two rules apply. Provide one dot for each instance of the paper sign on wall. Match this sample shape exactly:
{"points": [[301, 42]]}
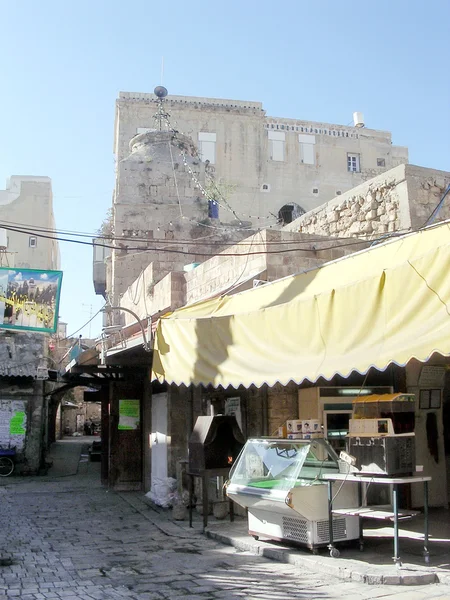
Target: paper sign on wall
{"points": [[233, 408], [16, 424], [129, 414]]}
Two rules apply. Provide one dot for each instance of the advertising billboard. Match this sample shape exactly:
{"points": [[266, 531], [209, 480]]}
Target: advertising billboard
{"points": [[29, 299]]}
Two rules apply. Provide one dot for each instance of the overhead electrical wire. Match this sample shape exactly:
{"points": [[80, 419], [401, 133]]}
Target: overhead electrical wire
{"points": [[68, 337], [54, 234], [139, 249]]}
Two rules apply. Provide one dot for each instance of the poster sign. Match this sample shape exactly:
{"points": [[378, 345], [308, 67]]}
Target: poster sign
{"points": [[432, 376], [129, 415], [233, 408], [29, 299]]}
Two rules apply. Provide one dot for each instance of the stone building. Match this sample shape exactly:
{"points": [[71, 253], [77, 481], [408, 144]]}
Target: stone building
{"points": [[160, 216], [311, 183], [269, 162], [400, 200], [24, 356], [28, 201], [213, 171]]}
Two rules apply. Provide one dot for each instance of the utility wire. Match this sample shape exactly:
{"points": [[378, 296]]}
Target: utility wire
{"points": [[140, 249], [189, 253], [82, 327]]}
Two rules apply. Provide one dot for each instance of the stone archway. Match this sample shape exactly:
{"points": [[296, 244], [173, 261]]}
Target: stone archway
{"points": [[289, 212]]}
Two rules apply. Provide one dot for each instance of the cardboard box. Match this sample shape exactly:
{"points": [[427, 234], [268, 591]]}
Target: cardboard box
{"points": [[281, 432], [294, 426], [311, 426]]}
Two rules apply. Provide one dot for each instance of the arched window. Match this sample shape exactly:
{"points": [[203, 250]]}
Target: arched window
{"points": [[290, 212]]}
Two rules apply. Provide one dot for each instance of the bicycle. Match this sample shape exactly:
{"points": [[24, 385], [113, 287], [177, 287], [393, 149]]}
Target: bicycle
{"points": [[6, 461]]}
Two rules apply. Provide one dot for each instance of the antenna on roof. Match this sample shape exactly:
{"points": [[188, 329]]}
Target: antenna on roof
{"points": [[162, 69]]}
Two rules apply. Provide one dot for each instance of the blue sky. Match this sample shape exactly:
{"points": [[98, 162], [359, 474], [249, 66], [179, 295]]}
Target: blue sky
{"points": [[63, 64]]}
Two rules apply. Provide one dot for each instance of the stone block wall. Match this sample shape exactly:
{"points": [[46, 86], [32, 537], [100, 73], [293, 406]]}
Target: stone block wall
{"points": [[243, 156], [267, 255], [399, 200], [282, 403], [425, 190]]}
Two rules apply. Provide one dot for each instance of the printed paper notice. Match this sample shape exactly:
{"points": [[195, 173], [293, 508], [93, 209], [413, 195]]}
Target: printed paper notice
{"points": [[17, 424], [129, 414]]}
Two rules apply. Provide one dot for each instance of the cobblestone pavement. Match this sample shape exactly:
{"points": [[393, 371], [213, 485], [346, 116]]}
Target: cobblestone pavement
{"points": [[68, 538]]}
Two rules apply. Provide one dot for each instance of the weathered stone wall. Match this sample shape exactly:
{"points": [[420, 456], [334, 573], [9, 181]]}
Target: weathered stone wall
{"points": [[160, 214], [425, 190], [282, 405], [243, 151], [20, 355], [399, 200], [277, 254], [29, 200]]}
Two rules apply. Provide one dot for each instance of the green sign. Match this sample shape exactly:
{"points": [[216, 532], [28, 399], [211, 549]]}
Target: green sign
{"points": [[129, 414], [16, 424]]}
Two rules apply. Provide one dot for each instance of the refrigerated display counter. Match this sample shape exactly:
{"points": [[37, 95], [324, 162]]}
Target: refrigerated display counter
{"points": [[280, 482]]}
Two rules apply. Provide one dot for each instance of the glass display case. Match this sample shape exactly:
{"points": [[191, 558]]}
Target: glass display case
{"points": [[280, 482]]}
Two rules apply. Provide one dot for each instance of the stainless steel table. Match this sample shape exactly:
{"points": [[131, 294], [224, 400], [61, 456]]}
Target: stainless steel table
{"points": [[377, 512]]}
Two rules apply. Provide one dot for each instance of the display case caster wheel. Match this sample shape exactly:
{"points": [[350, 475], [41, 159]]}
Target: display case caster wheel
{"points": [[315, 551], [334, 553], [255, 537], [361, 547]]}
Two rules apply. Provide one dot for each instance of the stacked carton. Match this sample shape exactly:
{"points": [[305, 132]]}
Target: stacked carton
{"points": [[302, 429]]}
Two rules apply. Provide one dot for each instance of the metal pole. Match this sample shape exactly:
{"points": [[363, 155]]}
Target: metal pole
{"points": [[361, 531], [205, 482], [425, 512], [396, 557], [191, 496], [330, 514], [108, 309]]}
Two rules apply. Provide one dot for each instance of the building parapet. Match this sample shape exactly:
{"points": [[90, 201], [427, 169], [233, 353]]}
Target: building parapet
{"points": [[193, 100]]}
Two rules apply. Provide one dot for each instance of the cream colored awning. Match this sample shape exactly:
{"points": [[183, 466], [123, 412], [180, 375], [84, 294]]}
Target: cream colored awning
{"points": [[386, 304]]}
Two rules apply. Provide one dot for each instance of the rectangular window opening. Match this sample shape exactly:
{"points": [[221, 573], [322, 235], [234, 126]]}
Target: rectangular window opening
{"points": [[307, 149], [32, 242], [207, 147], [353, 163], [276, 145]]}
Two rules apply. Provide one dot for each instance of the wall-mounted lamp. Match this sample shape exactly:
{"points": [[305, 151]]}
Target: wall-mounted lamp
{"points": [[108, 309]]}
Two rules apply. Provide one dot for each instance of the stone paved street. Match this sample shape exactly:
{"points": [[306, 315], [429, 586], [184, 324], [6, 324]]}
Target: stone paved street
{"points": [[68, 538]]}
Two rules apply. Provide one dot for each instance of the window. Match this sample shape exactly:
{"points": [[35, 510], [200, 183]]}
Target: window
{"points": [[276, 145], [32, 242], [265, 187], [290, 212], [338, 192], [207, 147], [353, 165], [381, 162], [307, 154], [315, 190]]}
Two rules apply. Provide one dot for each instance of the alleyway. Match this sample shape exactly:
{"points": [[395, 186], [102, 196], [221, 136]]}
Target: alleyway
{"points": [[68, 538]]}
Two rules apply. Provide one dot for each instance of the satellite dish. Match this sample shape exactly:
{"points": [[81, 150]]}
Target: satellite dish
{"points": [[160, 91]]}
